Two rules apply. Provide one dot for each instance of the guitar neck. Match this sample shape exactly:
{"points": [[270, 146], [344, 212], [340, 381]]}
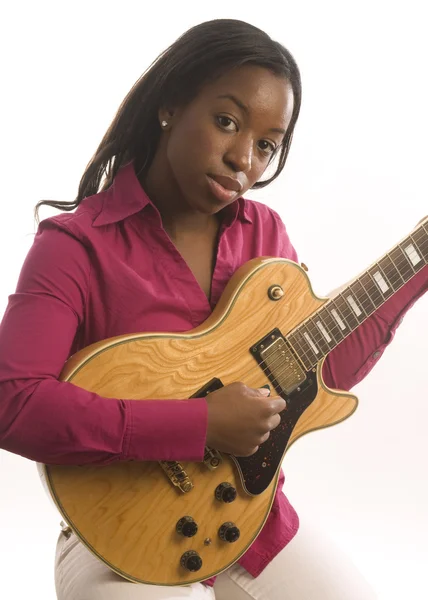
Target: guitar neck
{"points": [[313, 339]]}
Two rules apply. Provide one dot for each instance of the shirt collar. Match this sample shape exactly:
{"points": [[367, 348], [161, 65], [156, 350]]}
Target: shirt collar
{"points": [[126, 197]]}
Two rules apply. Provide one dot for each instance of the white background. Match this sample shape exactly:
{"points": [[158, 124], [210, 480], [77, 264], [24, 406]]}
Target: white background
{"points": [[354, 185]]}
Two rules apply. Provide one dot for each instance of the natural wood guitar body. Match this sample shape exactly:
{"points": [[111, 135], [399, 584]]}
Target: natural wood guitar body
{"points": [[126, 513]]}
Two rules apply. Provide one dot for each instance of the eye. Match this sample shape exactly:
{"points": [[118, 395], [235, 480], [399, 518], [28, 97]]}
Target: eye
{"points": [[225, 121], [270, 149]]}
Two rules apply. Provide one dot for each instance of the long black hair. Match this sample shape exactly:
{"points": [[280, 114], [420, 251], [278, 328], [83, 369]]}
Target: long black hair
{"points": [[200, 55]]}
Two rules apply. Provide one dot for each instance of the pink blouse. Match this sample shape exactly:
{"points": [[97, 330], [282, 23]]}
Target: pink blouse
{"points": [[109, 269]]}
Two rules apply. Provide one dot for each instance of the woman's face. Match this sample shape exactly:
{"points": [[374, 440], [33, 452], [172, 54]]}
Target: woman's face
{"points": [[229, 130]]}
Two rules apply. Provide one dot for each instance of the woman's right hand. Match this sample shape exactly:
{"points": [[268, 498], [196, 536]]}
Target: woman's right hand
{"points": [[241, 418]]}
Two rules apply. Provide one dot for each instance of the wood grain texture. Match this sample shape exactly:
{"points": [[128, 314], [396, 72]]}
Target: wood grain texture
{"points": [[126, 513]]}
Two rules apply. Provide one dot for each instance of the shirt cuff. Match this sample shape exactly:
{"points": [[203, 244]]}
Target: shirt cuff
{"points": [[396, 307], [166, 430], [356, 356], [392, 313]]}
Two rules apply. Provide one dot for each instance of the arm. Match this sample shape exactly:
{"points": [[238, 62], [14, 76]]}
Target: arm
{"points": [[56, 422], [356, 356]]}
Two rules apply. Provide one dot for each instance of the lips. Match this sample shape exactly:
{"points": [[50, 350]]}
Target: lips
{"points": [[229, 183], [221, 193]]}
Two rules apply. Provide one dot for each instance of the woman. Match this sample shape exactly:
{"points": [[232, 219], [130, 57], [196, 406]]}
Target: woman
{"points": [[152, 250]]}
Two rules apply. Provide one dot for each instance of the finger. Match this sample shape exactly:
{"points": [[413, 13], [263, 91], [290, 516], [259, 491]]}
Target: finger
{"points": [[265, 437], [263, 391], [277, 404], [249, 453], [274, 422]]}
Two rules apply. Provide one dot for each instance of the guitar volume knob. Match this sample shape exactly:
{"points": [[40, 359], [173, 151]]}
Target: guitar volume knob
{"points": [[187, 526], [229, 532], [225, 492], [191, 561]]}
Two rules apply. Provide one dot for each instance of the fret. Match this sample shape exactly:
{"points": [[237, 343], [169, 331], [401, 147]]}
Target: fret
{"points": [[310, 337], [372, 289], [402, 264], [382, 281], [339, 316], [358, 290], [330, 323], [350, 309], [393, 274], [302, 349], [420, 241], [338, 304], [375, 291], [325, 332], [312, 352], [384, 288], [412, 255], [328, 327], [319, 336], [295, 346], [408, 255], [424, 238]]}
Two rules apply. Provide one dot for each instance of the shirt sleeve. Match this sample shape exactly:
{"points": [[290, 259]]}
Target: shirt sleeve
{"points": [[55, 422], [356, 355]]}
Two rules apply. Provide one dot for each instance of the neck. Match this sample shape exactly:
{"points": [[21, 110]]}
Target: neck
{"points": [[178, 218], [342, 314]]}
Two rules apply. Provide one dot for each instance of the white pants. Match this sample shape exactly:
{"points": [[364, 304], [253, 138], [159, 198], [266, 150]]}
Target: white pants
{"points": [[309, 568]]}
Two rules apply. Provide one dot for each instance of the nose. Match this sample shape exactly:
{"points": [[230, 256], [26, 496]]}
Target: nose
{"points": [[240, 154]]}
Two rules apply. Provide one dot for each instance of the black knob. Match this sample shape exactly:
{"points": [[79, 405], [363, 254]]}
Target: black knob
{"points": [[191, 561], [187, 526], [228, 532], [225, 492]]}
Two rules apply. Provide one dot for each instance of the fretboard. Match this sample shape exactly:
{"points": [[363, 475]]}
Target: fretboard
{"points": [[313, 339]]}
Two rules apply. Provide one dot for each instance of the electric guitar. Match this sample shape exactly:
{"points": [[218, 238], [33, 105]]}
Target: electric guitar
{"points": [[173, 523]]}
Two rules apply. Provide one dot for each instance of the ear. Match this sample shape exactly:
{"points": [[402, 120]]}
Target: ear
{"points": [[165, 114]]}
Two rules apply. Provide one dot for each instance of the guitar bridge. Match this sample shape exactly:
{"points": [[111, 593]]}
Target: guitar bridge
{"points": [[177, 475], [212, 458]]}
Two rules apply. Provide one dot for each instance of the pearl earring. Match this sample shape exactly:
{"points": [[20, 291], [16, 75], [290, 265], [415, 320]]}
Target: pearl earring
{"points": [[164, 123]]}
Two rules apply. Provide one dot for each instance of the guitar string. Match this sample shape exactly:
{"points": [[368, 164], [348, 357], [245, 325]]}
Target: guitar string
{"points": [[345, 310], [324, 347], [345, 314]]}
